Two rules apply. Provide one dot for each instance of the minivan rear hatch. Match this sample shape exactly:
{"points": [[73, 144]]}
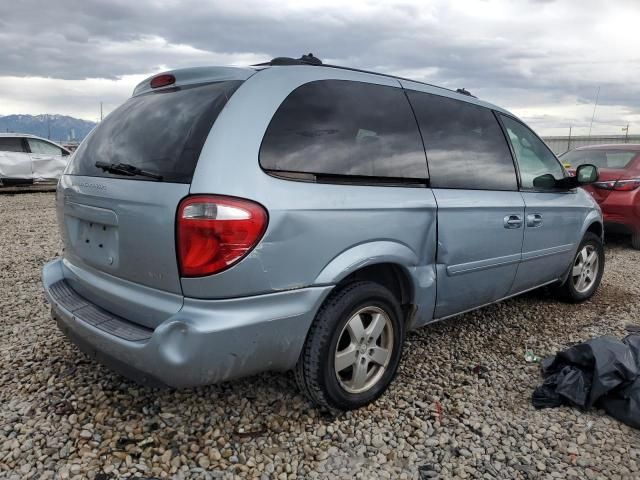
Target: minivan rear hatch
{"points": [[118, 198]]}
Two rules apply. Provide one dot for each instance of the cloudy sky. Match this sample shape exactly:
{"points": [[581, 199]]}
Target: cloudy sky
{"points": [[542, 59]]}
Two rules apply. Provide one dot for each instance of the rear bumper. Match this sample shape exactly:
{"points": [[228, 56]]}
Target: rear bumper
{"points": [[621, 211], [206, 341], [617, 226]]}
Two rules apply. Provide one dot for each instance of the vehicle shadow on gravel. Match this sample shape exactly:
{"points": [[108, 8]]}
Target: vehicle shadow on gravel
{"points": [[266, 404]]}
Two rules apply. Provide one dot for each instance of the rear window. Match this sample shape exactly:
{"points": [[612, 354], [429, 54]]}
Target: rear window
{"points": [[9, 144], [330, 130], [616, 159], [161, 132]]}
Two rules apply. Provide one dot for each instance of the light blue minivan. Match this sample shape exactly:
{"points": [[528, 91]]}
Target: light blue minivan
{"points": [[295, 215]]}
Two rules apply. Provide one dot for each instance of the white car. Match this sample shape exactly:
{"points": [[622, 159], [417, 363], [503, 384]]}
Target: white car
{"points": [[26, 159]]}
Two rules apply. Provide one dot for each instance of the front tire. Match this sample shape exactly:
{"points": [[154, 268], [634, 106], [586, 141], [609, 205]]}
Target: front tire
{"points": [[585, 272], [635, 240], [353, 348]]}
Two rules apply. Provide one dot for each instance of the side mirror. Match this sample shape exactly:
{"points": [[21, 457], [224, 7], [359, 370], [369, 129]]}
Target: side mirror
{"points": [[586, 174]]}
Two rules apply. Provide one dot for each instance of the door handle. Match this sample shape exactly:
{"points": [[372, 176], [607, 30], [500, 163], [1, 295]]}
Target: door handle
{"points": [[534, 220], [512, 221]]}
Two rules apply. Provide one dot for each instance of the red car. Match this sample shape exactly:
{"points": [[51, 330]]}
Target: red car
{"points": [[618, 188]]}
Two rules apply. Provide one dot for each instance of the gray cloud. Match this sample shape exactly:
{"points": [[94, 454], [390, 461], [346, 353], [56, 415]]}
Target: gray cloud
{"points": [[520, 54]]}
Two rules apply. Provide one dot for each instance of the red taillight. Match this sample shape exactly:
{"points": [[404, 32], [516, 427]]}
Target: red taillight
{"points": [[619, 185], [215, 232], [627, 185], [162, 80], [604, 185]]}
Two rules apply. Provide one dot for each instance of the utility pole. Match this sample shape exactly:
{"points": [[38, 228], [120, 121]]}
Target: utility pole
{"points": [[569, 142], [594, 110], [100, 111], [48, 128], [626, 133]]}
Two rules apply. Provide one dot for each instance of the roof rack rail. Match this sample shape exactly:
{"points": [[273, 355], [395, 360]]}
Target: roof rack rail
{"points": [[307, 59], [310, 59]]}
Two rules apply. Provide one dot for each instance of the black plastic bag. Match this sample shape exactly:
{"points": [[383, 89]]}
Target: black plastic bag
{"points": [[603, 371], [624, 404]]}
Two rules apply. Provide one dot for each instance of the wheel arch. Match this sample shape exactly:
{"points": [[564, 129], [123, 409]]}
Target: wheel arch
{"points": [[388, 262], [593, 223], [392, 265], [392, 276], [596, 228]]}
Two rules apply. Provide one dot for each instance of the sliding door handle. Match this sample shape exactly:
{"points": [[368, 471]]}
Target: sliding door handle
{"points": [[512, 221], [534, 220]]}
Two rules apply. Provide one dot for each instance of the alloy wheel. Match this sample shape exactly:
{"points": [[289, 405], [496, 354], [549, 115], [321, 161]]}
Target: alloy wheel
{"points": [[585, 268], [364, 349]]}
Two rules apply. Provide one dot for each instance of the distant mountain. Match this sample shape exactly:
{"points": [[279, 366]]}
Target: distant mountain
{"points": [[61, 127]]}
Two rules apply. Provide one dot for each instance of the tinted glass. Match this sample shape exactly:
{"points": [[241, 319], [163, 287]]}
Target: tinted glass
{"points": [[339, 127], [465, 145], [162, 132], [532, 154], [8, 144], [616, 159], [43, 148]]}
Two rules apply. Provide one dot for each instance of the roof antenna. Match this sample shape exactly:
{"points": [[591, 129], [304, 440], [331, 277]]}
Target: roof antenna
{"points": [[310, 59], [464, 91]]}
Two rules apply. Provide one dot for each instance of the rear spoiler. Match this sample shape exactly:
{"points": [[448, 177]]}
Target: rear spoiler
{"points": [[196, 75]]}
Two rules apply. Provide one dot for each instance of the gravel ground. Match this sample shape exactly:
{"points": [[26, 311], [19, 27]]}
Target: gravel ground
{"points": [[64, 416]]}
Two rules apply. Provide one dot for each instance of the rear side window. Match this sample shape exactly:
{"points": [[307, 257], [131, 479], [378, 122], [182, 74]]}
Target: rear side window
{"points": [[616, 159], [465, 145], [341, 128], [11, 144], [161, 131]]}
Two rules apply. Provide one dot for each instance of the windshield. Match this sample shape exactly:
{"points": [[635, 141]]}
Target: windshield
{"points": [[161, 132], [614, 158]]}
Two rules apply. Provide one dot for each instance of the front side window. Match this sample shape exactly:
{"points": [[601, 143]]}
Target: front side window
{"points": [[465, 146], [11, 144], [533, 156], [43, 148], [342, 128]]}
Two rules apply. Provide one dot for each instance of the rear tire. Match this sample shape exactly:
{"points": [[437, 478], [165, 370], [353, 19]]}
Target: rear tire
{"points": [[635, 240], [585, 272], [338, 371]]}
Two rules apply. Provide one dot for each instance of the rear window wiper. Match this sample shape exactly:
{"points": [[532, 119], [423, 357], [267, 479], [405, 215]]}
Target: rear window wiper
{"points": [[126, 169]]}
